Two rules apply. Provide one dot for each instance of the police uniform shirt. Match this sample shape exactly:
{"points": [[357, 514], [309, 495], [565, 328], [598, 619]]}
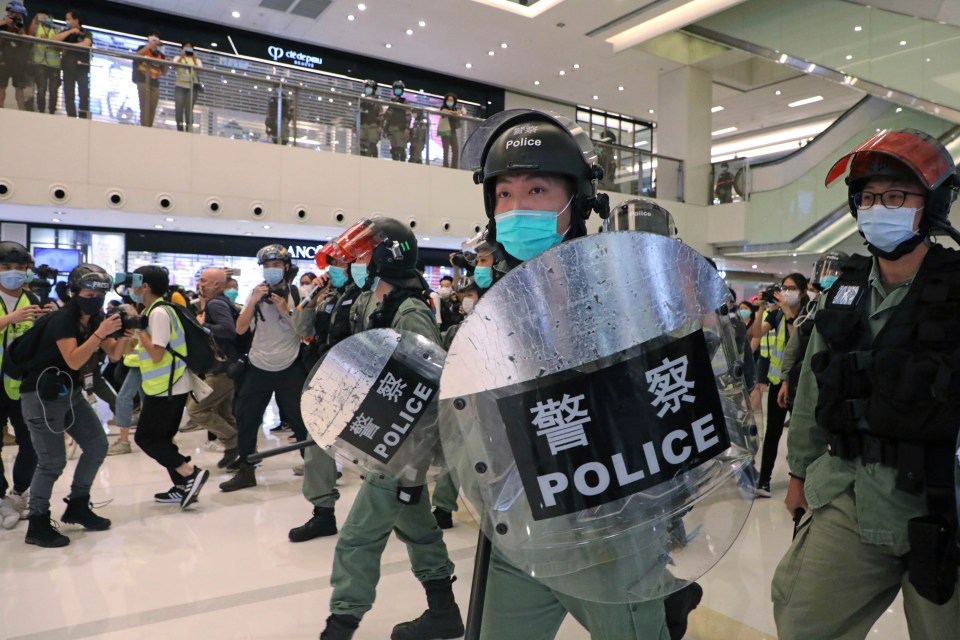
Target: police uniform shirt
{"points": [[883, 511], [160, 330], [276, 344]]}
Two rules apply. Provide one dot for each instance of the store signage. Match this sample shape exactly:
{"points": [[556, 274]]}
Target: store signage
{"points": [[298, 58], [303, 252]]}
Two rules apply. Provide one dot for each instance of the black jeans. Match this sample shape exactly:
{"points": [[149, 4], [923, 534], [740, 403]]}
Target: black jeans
{"points": [[771, 439], [26, 461], [48, 83], [254, 396], [159, 422], [76, 80]]}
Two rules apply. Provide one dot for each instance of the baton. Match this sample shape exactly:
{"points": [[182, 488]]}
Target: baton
{"points": [[297, 446], [797, 516], [478, 589]]}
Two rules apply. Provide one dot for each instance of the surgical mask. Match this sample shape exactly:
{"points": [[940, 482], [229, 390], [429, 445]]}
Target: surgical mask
{"points": [[744, 314], [273, 275], [13, 279], [136, 297], [30, 277], [398, 92], [375, 283], [483, 276], [827, 281], [91, 306], [368, 91], [791, 297], [886, 229], [450, 103], [231, 294], [445, 292], [359, 274], [525, 234], [188, 52], [468, 304], [338, 276]]}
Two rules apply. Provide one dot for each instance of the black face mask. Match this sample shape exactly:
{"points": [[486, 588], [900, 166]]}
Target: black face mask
{"points": [[91, 306]]}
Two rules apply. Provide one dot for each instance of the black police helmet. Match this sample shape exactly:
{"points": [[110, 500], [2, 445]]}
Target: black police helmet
{"points": [[394, 258], [399, 85], [648, 216], [273, 252], [14, 253], [89, 276]]}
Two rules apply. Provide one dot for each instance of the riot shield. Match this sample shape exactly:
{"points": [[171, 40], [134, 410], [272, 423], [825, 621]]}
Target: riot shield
{"points": [[596, 414], [371, 402]]}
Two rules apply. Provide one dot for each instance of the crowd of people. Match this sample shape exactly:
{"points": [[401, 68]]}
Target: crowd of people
{"points": [[861, 356]]}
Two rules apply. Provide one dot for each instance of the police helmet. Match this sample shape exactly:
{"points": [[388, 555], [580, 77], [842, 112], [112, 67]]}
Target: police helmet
{"points": [[394, 257], [89, 276], [828, 265], [14, 253], [370, 87], [647, 215], [527, 140], [398, 86], [468, 285], [273, 252]]}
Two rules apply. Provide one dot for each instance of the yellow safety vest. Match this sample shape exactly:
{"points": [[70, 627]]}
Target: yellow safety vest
{"points": [[159, 377], [132, 359], [772, 347], [43, 54], [10, 333]]}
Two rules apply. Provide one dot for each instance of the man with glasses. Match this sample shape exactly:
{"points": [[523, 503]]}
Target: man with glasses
{"points": [[875, 423]]}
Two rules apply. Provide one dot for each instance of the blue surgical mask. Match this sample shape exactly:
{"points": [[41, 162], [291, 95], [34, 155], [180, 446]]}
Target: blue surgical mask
{"points": [[526, 234], [359, 274], [273, 275], [375, 283], [483, 276], [338, 276], [886, 229], [12, 279], [231, 294], [189, 52], [368, 91], [31, 276], [827, 281], [136, 297], [744, 314]]}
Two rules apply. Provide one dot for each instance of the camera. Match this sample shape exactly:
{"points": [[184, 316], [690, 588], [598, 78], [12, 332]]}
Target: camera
{"points": [[46, 272], [18, 21], [462, 261], [767, 294], [127, 322], [282, 290]]}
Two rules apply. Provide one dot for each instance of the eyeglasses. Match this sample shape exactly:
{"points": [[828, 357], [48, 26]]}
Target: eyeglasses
{"points": [[891, 199]]}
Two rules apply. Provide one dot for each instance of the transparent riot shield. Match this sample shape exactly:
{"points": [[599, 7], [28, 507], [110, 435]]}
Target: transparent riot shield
{"points": [[371, 402], [595, 411]]}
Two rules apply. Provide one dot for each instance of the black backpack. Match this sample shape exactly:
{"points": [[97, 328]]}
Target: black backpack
{"points": [[25, 351], [202, 352]]}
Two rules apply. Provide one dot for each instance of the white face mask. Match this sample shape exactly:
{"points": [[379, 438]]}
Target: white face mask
{"points": [[468, 304], [791, 297], [445, 292], [886, 229]]}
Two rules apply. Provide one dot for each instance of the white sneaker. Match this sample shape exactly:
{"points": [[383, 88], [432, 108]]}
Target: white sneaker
{"points": [[119, 448], [10, 510], [25, 513], [214, 445]]}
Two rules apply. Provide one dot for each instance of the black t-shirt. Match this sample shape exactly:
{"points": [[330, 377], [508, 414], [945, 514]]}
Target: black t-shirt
{"points": [[62, 324], [72, 58]]}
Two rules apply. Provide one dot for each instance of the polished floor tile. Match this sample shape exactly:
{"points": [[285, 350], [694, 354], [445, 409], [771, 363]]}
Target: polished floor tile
{"points": [[225, 569]]}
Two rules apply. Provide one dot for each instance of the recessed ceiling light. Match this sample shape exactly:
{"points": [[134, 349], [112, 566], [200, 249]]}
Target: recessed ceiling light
{"points": [[422, 23], [388, 46], [928, 59], [491, 53], [426, 238], [576, 66], [720, 132], [213, 44], [248, 233], [753, 266], [158, 226], [266, 226], [620, 88], [899, 109], [409, 32], [562, 72], [650, 111], [903, 43], [56, 220], [777, 92], [235, 14], [800, 103], [351, 17], [503, 45], [536, 82], [469, 66], [849, 57], [169, 219], [596, 97], [362, 7], [716, 109], [858, 28]]}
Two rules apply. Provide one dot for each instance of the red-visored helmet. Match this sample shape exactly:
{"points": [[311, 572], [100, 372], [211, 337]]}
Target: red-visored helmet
{"points": [[353, 243]]}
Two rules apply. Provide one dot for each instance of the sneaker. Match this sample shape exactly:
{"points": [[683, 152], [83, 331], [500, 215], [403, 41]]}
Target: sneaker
{"points": [[214, 446], [298, 469], [173, 496], [119, 448], [283, 426], [763, 490], [10, 510], [194, 483]]}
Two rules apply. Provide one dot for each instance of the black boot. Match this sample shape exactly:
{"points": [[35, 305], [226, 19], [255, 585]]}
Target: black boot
{"points": [[444, 518], [323, 523], [42, 532], [229, 457], [79, 512], [244, 478], [340, 627], [678, 606], [441, 620]]}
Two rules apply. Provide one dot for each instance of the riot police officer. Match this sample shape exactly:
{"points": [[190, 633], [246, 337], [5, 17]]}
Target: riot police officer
{"points": [[874, 427], [396, 300], [397, 123], [371, 120]]}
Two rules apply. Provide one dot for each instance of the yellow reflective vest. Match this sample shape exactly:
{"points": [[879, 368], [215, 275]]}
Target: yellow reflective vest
{"points": [[43, 54], [772, 345], [159, 377], [10, 333]]}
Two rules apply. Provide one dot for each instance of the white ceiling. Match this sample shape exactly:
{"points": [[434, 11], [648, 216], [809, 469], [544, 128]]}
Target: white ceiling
{"points": [[462, 31]]}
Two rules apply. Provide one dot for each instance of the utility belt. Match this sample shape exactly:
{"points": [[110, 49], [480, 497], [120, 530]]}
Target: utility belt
{"points": [[921, 468]]}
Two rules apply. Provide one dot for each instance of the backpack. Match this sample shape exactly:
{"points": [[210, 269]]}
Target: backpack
{"points": [[24, 352], [202, 352]]}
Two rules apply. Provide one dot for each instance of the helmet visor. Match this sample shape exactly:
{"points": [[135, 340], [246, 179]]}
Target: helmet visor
{"points": [[355, 242], [921, 153]]}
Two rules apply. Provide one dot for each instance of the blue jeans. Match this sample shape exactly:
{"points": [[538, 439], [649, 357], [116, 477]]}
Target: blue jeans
{"points": [[47, 422], [126, 397]]}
